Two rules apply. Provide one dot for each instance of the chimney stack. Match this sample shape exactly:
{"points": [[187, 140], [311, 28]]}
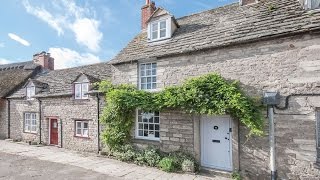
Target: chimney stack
{"points": [[146, 12], [44, 60]]}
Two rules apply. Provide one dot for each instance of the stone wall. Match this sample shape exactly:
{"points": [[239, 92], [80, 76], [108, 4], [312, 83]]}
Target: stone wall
{"points": [[3, 119], [176, 133], [288, 65], [17, 109], [66, 110]]}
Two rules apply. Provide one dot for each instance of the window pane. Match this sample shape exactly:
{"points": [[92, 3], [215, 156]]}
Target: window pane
{"points": [[156, 120], [143, 80], [27, 116], [27, 128], [85, 125], [154, 79], [139, 119], [140, 126], [77, 91], [145, 133], [154, 27], [149, 86], [79, 125], [163, 24], [151, 127], [163, 33], [145, 120], [140, 133], [148, 72], [143, 86], [33, 128], [157, 134], [156, 127], [33, 116], [145, 126], [154, 72], [154, 85], [34, 122], [142, 73], [85, 132], [155, 35], [85, 89], [78, 132]]}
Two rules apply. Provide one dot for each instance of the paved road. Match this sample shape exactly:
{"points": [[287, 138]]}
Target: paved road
{"points": [[22, 161], [17, 167]]}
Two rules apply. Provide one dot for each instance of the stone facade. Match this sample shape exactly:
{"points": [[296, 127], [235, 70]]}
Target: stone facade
{"points": [[3, 119], [66, 110], [288, 65]]}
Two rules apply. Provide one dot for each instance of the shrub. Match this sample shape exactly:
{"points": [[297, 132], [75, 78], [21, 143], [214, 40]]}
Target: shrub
{"points": [[167, 164], [139, 159], [236, 176], [125, 153], [151, 157]]}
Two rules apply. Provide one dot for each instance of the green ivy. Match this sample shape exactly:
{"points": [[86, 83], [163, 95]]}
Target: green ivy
{"points": [[209, 94]]}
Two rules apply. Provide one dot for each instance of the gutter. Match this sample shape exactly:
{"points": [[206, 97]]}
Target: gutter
{"points": [[98, 111], [9, 119], [40, 119]]}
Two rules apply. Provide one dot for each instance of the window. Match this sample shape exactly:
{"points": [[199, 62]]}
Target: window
{"points": [[148, 125], [159, 30], [31, 91], [148, 76], [82, 128], [81, 90], [312, 4], [30, 122]]}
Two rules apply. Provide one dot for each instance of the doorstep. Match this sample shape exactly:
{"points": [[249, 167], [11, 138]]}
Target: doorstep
{"points": [[214, 172]]}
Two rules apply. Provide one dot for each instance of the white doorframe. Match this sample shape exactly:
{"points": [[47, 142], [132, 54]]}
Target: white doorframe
{"points": [[230, 142]]}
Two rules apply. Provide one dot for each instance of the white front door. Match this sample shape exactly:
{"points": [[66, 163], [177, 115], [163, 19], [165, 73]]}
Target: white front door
{"points": [[216, 142]]}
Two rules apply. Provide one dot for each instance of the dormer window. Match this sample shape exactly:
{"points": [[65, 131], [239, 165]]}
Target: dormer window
{"points": [[159, 30], [81, 90], [30, 91], [312, 4]]}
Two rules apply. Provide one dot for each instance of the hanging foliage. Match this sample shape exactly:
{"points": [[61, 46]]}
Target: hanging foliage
{"points": [[209, 94]]}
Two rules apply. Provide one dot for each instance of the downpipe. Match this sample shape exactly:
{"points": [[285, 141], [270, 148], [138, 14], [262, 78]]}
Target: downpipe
{"points": [[273, 167]]}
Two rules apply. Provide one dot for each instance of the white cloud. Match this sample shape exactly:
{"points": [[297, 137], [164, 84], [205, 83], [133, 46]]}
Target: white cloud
{"points": [[44, 15], [67, 15], [87, 33], [66, 58], [4, 61], [18, 39]]}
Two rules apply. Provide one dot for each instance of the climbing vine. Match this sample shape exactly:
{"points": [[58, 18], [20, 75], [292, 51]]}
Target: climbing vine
{"points": [[209, 94]]}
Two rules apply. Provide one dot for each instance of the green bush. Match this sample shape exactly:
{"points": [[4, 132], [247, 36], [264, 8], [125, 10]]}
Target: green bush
{"points": [[167, 164], [139, 160], [125, 153], [188, 165], [152, 157], [236, 176]]}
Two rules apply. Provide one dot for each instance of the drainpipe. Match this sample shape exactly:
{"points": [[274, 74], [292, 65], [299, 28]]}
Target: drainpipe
{"points": [[61, 136], [40, 119], [98, 111], [9, 119], [273, 167]]}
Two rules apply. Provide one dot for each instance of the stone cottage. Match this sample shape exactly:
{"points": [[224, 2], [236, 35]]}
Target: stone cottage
{"points": [[12, 77], [59, 107], [268, 45]]}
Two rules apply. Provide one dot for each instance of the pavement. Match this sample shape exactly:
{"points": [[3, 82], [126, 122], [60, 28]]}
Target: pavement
{"points": [[22, 161]]}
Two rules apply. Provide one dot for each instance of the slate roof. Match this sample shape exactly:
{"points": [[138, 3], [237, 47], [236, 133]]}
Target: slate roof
{"points": [[228, 25], [60, 82], [14, 76]]}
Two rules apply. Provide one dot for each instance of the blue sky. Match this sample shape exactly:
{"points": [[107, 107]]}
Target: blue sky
{"points": [[78, 32]]}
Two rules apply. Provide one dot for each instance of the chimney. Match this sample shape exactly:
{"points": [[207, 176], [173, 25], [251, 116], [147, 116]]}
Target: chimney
{"points": [[146, 12], [246, 2], [44, 60]]}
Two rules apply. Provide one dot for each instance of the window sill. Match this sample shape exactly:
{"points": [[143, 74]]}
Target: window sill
{"points": [[146, 141], [80, 137], [33, 133]]}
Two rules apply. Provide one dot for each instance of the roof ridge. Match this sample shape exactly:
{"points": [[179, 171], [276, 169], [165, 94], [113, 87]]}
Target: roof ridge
{"points": [[216, 8]]}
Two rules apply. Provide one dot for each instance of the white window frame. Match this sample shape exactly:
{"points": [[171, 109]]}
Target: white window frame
{"points": [[152, 76], [308, 5], [82, 129], [30, 91], [167, 29], [83, 91], [30, 122], [137, 129]]}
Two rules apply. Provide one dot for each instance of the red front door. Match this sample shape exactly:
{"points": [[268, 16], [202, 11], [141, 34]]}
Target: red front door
{"points": [[54, 131]]}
